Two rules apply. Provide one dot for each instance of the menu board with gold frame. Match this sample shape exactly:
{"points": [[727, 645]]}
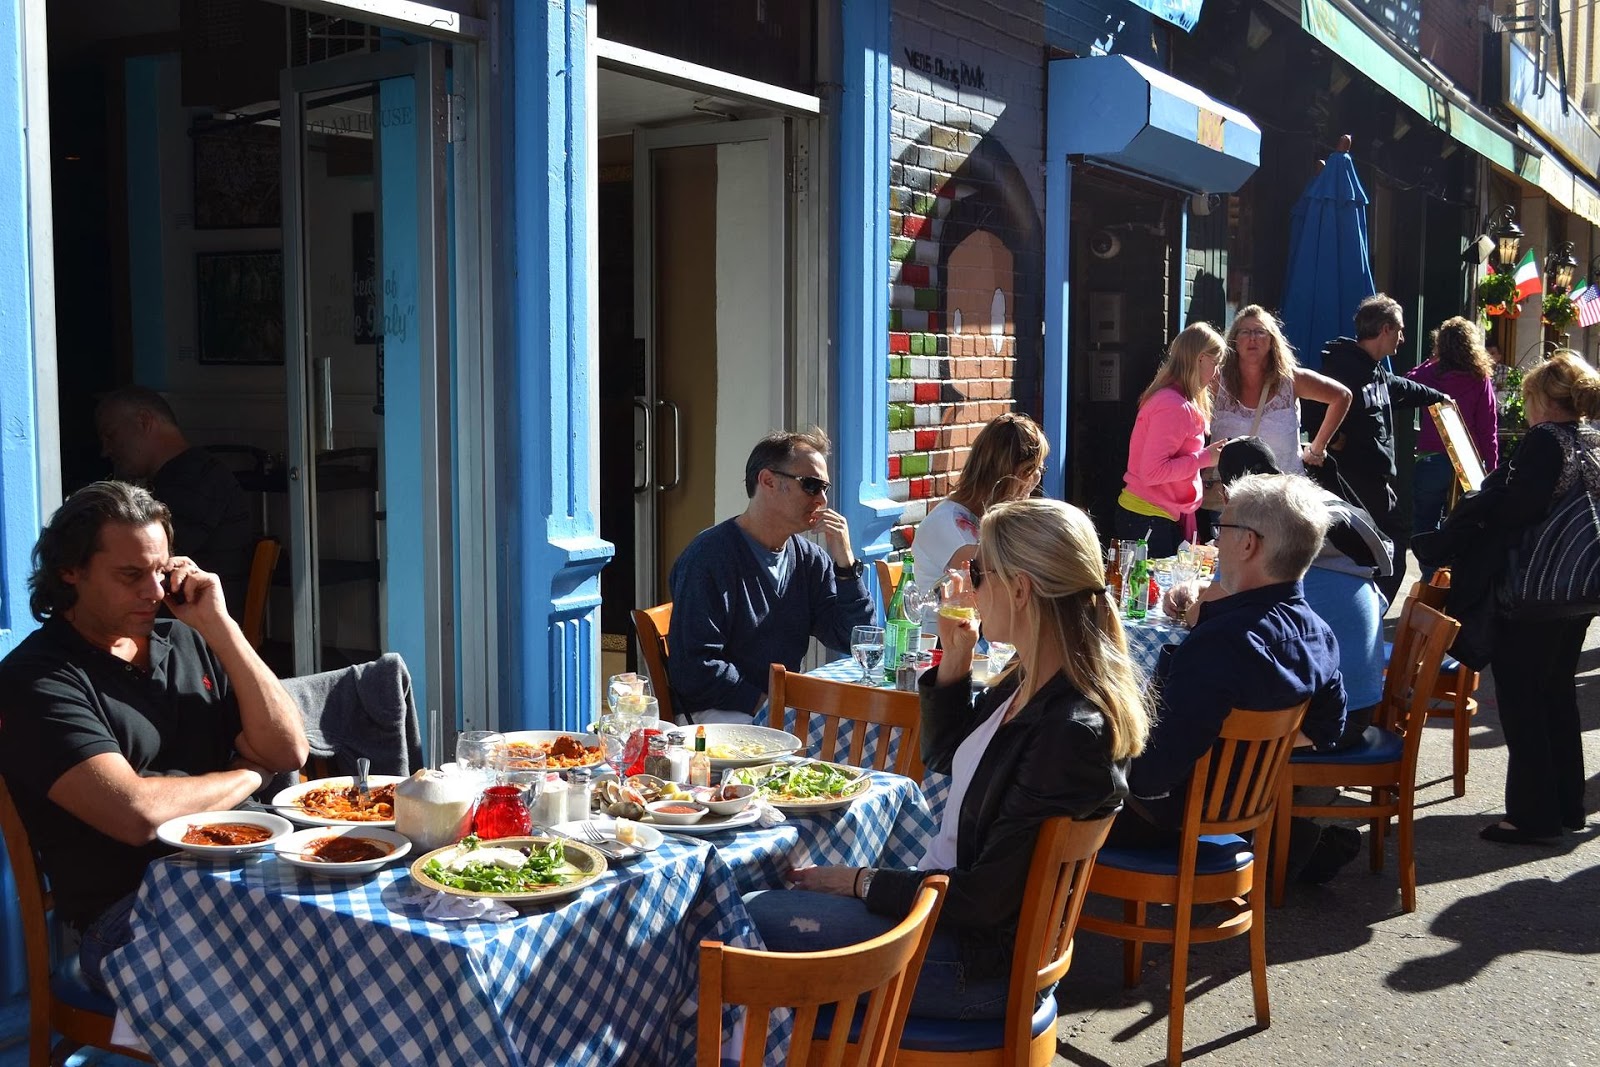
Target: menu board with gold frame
{"points": [[1458, 444]]}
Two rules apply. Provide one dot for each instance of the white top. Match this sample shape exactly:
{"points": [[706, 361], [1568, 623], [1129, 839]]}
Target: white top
{"points": [[946, 528], [1280, 423], [941, 854]]}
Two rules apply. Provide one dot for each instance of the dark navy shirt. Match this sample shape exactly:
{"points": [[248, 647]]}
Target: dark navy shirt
{"points": [[67, 700], [1261, 650]]}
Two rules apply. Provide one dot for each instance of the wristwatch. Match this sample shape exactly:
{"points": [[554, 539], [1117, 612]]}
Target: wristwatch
{"points": [[855, 570], [864, 882]]}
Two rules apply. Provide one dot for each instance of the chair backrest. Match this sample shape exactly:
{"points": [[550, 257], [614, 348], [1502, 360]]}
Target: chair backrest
{"points": [[888, 578], [253, 620], [1058, 882], [897, 714], [884, 969], [33, 898], [652, 625], [1420, 641], [1235, 786], [1433, 593]]}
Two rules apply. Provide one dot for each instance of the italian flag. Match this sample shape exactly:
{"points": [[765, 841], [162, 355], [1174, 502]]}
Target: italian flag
{"points": [[1527, 277]]}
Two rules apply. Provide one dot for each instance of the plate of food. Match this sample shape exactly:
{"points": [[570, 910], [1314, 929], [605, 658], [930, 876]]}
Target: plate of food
{"points": [[737, 745], [341, 851], [706, 824], [223, 833], [511, 868], [562, 749], [811, 785], [333, 802], [624, 833]]}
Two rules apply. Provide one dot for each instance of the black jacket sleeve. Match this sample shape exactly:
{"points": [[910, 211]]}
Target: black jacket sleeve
{"points": [[1405, 393]]}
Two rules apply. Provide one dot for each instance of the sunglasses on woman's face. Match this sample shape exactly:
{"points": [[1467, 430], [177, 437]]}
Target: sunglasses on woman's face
{"points": [[976, 569]]}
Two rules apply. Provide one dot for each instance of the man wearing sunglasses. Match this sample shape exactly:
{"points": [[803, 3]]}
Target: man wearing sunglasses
{"points": [[751, 591]]}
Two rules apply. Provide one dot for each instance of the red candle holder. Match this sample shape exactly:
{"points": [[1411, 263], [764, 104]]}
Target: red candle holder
{"points": [[501, 813]]}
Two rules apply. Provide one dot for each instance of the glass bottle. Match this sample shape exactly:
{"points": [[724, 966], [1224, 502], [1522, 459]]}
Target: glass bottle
{"points": [[901, 631], [700, 763], [1139, 581]]}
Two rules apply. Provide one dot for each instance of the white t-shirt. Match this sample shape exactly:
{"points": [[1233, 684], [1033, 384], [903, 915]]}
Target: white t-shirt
{"points": [[941, 854], [948, 527]]}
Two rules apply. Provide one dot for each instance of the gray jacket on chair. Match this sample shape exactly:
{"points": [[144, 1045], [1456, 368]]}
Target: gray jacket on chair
{"points": [[365, 710]]}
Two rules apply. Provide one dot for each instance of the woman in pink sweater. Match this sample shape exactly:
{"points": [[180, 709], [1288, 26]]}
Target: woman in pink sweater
{"points": [[1168, 450]]}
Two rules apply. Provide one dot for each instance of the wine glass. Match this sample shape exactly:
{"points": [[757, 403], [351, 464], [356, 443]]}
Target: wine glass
{"points": [[475, 751], [866, 645], [619, 686]]}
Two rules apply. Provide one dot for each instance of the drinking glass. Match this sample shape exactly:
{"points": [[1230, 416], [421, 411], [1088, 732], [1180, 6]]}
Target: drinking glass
{"points": [[1000, 655], [521, 769], [619, 686], [866, 645], [475, 751]]}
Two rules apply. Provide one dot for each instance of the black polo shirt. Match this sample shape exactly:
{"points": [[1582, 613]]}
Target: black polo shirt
{"points": [[62, 700]]}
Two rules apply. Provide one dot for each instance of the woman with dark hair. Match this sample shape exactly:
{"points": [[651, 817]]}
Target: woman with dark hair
{"points": [[1459, 366], [1006, 463]]}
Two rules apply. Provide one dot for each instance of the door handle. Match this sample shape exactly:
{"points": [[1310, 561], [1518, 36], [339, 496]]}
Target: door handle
{"points": [[677, 445], [325, 396], [643, 444]]}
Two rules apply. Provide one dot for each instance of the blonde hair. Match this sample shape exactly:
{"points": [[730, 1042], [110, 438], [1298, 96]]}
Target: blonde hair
{"points": [[1056, 546], [1280, 364], [1458, 345], [1564, 382], [1004, 446], [1181, 369]]}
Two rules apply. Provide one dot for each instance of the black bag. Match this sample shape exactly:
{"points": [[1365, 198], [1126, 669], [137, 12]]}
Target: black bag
{"points": [[1555, 572]]}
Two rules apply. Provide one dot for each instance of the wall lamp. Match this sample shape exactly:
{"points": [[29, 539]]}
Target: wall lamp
{"points": [[1559, 267], [1506, 234]]}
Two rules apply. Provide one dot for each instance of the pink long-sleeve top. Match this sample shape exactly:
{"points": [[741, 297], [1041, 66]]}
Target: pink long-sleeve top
{"points": [[1475, 397], [1165, 452]]}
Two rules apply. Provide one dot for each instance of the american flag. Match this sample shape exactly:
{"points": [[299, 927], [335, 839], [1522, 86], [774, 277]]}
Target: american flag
{"points": [[1589, 306]]}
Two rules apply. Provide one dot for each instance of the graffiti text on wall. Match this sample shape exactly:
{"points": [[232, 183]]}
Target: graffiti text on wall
{"points": [[952, 71]]}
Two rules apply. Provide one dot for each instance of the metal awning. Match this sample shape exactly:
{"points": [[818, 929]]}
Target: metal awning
{"points": [[1119, 111]]}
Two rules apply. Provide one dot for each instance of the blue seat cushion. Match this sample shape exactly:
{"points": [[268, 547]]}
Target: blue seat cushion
{"points": [[67, 985], [1218, 854], [945, 1035], [1449, 665], [1386, 748]]}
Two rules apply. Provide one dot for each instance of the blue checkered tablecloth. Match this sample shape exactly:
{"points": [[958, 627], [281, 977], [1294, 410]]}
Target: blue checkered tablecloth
{"points": [[1148, 636], [259, 962]]}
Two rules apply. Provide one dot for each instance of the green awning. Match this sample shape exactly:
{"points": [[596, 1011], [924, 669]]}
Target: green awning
{"points": [[1323, 20]]}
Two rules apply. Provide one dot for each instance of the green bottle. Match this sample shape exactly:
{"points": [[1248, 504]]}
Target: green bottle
{"points": [[1138, 589], [900, 631]]}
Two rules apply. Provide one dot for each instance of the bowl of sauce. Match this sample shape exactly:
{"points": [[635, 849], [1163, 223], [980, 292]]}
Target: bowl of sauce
{"points": [[342, 852], [676, 812], [221, 834]]}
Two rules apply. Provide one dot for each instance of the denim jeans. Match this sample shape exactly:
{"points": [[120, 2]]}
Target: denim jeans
{"points": [[1430, 496], [796, 920], [110, 930]]}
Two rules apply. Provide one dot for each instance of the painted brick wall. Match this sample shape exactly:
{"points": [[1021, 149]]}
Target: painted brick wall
{"points": [[1450, 37], [965, 192]]}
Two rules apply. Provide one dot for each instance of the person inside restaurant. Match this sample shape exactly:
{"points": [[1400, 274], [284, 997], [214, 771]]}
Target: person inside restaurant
{"points": [[753, 590], [1006, 463], [117, 719], [1053, 736]]}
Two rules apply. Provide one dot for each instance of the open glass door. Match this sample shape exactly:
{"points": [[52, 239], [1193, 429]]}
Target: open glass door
{"points": [[368, 360]]}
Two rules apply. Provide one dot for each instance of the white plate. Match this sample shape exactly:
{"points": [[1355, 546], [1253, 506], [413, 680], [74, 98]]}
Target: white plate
{"points": [[646, 837], [289, 800], [171, 832], [775, 744], [711, 824], [754, 774], [545, 737], [290, 847], [589, 861]]}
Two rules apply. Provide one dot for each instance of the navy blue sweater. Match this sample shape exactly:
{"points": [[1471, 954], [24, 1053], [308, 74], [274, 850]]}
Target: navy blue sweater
{"points": [[1263, 649], [730, 622]]}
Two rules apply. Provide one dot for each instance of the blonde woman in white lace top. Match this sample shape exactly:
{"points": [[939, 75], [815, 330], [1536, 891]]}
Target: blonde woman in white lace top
{"points": [[1261, 363]]}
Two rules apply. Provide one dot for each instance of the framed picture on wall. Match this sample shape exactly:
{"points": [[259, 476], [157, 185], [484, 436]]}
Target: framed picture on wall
{"points": [[237, 178], [240, 302]]}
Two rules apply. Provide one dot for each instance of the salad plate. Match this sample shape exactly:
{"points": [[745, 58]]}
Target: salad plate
{"points": [[806, 786], [453, 869]]}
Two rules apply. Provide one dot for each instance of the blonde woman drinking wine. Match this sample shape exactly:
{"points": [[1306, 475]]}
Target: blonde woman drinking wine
{"points": [[1052, 737]]}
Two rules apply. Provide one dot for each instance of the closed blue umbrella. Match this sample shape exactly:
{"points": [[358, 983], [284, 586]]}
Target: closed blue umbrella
{"points": [[1330, 266]]}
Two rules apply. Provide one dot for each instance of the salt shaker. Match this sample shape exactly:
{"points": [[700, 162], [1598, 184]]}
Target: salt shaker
{"points": [[551, 806], [580, 790], [677, 757]]}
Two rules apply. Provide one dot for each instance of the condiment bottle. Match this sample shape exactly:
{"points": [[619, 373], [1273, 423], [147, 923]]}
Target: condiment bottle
{"points": [[656, 762], [700, 763], [678, 757], [580, 791]]}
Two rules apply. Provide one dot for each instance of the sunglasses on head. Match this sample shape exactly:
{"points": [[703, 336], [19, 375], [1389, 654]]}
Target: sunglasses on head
{"points": [[809, 485]]}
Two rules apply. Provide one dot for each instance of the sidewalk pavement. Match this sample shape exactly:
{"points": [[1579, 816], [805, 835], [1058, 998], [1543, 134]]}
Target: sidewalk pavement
{"points": [[1499, 964]]}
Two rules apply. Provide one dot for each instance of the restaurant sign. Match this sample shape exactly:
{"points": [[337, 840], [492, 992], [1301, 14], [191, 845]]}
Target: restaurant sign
{"points": [[1181, 13], [1566, 129]]}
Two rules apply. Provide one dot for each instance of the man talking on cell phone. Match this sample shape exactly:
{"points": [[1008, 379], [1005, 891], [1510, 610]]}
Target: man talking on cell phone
{"points": [[117, 718]]}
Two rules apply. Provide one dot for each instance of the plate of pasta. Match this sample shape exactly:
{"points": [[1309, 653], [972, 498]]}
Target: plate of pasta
{"points": [[562, 749], [333, 802]]}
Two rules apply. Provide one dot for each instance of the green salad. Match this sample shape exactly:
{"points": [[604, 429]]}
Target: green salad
{"points": [[495, 869], [801, 781]]}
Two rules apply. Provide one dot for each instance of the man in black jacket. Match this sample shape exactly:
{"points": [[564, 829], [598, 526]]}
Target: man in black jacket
{"points": [[1364, 444]]}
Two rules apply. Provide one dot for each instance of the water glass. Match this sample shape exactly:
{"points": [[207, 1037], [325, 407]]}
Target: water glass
{"points": [[475, 751], [866, 645], [521, 769], [619, 686]]}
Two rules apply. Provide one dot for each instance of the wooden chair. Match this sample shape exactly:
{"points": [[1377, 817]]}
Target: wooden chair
{"points": [[883, 969], [1233, 790], [1455, 691], [253, 620], [1388, 766], [59, 1001], [888, 578], [896, 713], [652, 625], [1063, 859]]}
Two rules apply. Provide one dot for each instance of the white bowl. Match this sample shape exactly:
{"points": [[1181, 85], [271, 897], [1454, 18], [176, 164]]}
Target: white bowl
{"points": [[675, 818], [171, 832], [292, 848], [745, 793]]}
